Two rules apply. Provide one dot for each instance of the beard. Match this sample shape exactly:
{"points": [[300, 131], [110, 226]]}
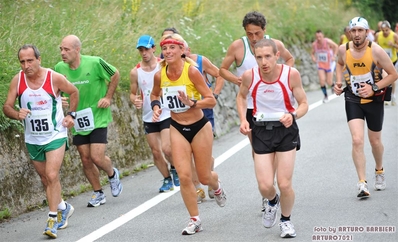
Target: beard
{"points": [[358, 43]]}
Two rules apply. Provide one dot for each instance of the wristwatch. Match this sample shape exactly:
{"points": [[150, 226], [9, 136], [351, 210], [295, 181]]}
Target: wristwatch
{"points": [[375, 88], [72, 114], [294, 115], [215, 96], [194, 103]]}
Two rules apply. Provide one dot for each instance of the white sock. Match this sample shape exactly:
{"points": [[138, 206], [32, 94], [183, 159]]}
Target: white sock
{"points": [[62, 205]]}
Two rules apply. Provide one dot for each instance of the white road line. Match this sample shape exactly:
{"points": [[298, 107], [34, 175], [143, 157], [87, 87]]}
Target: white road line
{"points": [[155, 200], [161, 197]]}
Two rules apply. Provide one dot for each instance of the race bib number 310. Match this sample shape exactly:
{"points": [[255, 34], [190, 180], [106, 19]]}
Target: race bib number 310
{"points": [[170, 99]]}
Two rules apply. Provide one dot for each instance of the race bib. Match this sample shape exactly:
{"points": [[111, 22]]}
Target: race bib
{"points": [[84, 120], [268, 116], [358, 79], [389, 52], [322, 57], [171, 101], [39, 123]]}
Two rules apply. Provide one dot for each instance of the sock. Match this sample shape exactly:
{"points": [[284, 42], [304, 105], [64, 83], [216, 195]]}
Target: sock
{"points": [[195, 218], [100, 191], [274, 201], [172, 167], [284, 219], [62, 205], [363, 181], [197, 186], [110, 177], [323, 88], [218, 191], [52, 214], [380, 171]]}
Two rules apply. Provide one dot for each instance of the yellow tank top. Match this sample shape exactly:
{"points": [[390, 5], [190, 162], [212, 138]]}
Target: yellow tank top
{"points": [[383, 42], [345, 39], [170, 89], [357, 71]]}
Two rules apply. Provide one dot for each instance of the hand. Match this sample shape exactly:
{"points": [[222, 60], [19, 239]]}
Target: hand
{"points": [[338, 89], [287, 120], [65, 103], [68, 122], [183, 97], [22, 113], [245, 128], [138, 103], [239, 81], [156, 114], [365, 90], [104, 103]]}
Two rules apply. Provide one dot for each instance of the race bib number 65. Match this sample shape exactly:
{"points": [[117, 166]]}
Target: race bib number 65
{"points": [[84, 120]]}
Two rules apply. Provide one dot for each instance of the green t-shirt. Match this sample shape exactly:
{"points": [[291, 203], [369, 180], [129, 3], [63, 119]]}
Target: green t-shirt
{"points": [[91, 79]]}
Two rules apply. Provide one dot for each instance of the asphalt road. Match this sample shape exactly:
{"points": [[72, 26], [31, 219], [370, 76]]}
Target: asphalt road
{"points": [[326, 206]]}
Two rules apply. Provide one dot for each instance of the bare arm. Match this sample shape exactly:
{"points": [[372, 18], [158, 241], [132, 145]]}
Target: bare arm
{"points": [[134, 98], [208, 100], [106, 101], [333, 46], [383, 60], [339, 69], [284, 53], [298, 92], [213, 71], [241, 101], [313, 57], [8, 107], [227, 62]]}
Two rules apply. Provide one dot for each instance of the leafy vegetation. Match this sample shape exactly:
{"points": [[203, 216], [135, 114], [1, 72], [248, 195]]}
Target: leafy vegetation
{"points": [[110, 28]]}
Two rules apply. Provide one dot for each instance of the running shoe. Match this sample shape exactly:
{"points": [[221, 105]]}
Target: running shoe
{"points": [[363, 191], [63, 216], [269, 215], [176, 180], [264, 201], [287, 229], [193, 227], [116, 185], [325, 99], [167, 185], [393, 101], [221, 198], [200, 195], [51, 228], [210, 192], [98, 198], [380, 181]]}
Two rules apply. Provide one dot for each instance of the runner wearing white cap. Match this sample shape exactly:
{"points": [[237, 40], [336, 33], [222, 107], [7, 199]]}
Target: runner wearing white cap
{"points": [[364, 93]]}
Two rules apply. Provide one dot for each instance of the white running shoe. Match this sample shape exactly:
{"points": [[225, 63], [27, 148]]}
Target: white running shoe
{"points": [[287, 229], [269, 215], [363, 191], [380, 181], [192, 228]]}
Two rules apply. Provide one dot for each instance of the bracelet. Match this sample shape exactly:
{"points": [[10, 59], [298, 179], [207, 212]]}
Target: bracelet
{"points": [[154, 103], [194, 103]]}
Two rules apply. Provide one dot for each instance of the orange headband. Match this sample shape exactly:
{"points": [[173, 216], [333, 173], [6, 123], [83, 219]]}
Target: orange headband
{"points": [[170, 41]]}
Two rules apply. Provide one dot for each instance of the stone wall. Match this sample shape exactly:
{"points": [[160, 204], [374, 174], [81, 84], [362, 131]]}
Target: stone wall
{"points": [[21, 188]]}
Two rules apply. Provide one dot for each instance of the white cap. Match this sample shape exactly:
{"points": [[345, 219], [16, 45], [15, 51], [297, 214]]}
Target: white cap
{"points": [[359, 22]]}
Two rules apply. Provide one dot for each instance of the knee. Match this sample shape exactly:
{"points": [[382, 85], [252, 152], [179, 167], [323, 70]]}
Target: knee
{"points": [[265, 186], [157, 154], [357, 141], [204, 179], [285, 186], [52, 177], [166, 151]]}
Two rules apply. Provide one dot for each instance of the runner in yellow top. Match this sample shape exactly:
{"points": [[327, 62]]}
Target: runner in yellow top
{"points": [[388, 40], [185, 93]]}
